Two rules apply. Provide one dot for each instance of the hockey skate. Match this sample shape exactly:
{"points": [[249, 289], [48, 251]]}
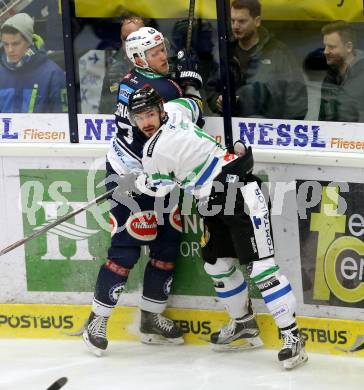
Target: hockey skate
{"points": [[238, 334], [293, 351], [157, 329], [94, 334]]}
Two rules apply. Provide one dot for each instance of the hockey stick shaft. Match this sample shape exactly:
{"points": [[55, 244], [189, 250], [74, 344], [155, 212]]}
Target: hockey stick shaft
{"points": [[191, 15], [56, 223], [228, 91]]}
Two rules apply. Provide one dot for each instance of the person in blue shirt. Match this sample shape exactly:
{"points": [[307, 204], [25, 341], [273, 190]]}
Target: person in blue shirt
{"points": [[29, 80]]}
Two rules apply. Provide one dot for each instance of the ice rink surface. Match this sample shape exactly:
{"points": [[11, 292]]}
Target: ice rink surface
{"points": [[36, 364]]}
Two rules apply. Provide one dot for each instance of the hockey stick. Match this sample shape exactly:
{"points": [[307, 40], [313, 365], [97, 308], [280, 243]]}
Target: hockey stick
{"points": [[57, 222], [58, 384], [228, 90], [191, 15]]}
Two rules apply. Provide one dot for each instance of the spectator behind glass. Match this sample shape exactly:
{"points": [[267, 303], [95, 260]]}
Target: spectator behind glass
{"points": [[269, 82], [342, 93], [118, 66], [29, 81]]}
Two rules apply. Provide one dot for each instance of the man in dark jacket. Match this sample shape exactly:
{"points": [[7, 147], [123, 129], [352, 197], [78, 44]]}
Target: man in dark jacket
{"points": [[342, 94], [269, 82], [29, 81]]}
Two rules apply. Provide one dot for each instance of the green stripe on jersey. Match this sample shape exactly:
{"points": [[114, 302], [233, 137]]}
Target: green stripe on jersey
{"points": [[187, 104], [194, 173], [267, 272], [149, 75], [161, 176]]}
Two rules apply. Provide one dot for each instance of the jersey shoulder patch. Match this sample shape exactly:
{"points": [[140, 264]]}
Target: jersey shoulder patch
{"points": [[124, 92]]}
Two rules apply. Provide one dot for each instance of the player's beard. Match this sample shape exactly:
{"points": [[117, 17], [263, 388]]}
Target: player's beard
{"points": [[149, 131]]}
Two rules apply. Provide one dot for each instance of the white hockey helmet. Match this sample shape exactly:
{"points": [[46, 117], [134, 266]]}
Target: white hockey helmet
{"points": [[138, 42]]}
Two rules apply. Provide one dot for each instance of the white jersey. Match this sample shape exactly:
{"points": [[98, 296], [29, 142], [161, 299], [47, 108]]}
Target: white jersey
{"points": [[125, 157], [181, 153]]}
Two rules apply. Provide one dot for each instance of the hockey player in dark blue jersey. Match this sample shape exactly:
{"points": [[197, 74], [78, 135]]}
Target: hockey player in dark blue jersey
{"points": [[147, 51], [145, 48]]}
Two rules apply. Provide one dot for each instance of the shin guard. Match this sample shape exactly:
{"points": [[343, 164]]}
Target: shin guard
{"points": [[276, 291], [158, 277], [230, 286]]}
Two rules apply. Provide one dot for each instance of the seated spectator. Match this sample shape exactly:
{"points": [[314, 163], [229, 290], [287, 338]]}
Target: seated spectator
{"points": [[269, 82], [29, 81], [119, 65], [342, 93]]}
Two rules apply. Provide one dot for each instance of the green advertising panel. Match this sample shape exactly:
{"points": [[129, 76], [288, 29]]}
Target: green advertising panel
{"points": [[67, 257]]}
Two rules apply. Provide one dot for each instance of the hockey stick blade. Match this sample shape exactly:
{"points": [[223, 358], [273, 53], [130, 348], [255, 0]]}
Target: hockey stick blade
{"points": [[58, 384], [76, 332]]}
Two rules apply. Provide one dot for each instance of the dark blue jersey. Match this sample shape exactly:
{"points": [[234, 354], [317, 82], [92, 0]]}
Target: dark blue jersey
{"points": [[128, 137]]}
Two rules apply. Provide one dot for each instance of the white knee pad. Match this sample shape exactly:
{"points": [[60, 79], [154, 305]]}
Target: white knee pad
{"points": [[276, 291], [230, 286]]}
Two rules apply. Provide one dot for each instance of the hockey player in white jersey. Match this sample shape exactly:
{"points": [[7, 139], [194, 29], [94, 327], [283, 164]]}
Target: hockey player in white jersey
{"points": [[235, 213]]}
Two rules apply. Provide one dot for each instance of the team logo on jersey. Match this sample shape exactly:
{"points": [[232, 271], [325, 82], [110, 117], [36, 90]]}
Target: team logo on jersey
{"points": [[124, 93], [134, 80], [229, 157], [175, 219], [142, 225], [113, 224]]}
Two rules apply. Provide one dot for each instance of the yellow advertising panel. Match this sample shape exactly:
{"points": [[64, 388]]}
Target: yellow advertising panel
{"points": [[322, 335], [147, 8], [313, 10], [307, 10]]}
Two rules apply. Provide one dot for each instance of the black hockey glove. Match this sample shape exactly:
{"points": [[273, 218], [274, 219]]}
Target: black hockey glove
{"points": [[187, 70]]}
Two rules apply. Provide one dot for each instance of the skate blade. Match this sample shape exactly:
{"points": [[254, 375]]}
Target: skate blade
{"points": [[239, 345], [96, 351], [296, 361], [156, 339]]}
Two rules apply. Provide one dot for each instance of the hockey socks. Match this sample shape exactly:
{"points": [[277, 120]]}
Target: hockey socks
{"points": [[230, 286], [276, 291]]}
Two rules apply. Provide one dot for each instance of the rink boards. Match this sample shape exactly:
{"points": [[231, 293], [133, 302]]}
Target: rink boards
{"points": [[318, 226], [322, 335]]}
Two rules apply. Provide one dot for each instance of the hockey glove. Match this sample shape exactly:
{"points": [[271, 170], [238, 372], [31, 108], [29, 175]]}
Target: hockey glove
{"points": [[240, 148], [187, 70], [126, 186]]}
